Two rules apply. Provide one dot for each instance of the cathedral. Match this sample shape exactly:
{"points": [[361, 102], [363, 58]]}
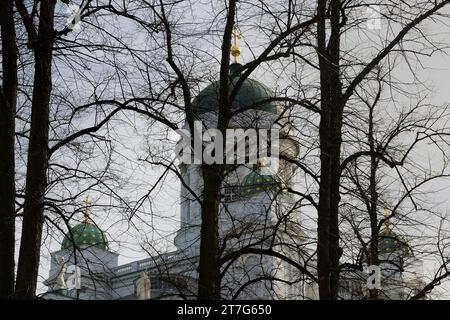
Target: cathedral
{"points": [[258, 219]]}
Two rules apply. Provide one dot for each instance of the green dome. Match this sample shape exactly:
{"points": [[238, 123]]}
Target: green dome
{"points": [[261, 180], [251, 93], [389, 243], [85, 234]]}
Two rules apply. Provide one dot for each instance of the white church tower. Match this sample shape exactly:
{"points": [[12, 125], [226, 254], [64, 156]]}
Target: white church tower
{"points": [[258, 214], [254, 197]]}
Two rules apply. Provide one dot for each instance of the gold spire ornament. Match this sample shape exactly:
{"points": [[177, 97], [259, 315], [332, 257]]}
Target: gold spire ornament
{"points": [[87, 204], [387, 222], [235, 49]]}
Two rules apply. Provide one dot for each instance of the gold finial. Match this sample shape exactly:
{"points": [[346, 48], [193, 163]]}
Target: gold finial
{"points": [[387, 222], [262, 163], [235, 49], [87, 203]]}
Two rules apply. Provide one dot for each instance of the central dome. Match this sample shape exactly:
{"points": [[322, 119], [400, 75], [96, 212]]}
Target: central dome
{"points": [[87, 234], [252, 94]]}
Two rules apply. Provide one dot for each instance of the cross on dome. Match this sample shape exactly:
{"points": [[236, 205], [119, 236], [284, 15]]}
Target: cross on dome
{"points": [[87, 204], [387, 222], [235, 49]]}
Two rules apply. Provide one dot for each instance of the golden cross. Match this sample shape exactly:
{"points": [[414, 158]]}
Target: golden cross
{"points": [[236, 36], [387, 222], [235, 49], [87, 203]]}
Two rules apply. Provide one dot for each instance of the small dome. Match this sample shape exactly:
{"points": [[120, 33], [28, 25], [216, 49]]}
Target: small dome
{"points": [[389, 243], [251, 93], [85, 233], [262, 179]]}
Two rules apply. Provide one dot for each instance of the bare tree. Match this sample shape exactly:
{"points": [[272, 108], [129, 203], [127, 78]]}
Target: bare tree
{"points": [[121, 83], [381, 159], [41, 40], [8, 95], [336, 91]]}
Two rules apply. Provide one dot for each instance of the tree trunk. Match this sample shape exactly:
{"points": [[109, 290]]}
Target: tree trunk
{"points": [[36, 182], [373, 216], [330, 131], [209, 269], [8, 96]]}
